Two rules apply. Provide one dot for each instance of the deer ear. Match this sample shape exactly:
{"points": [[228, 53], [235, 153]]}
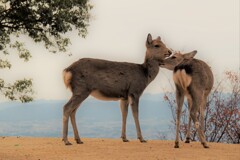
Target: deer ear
{"points": [[159, 38], [190, 55], [149, 39]]}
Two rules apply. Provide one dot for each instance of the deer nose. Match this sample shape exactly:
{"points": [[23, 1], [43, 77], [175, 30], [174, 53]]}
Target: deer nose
{"points": [[168, 53]]}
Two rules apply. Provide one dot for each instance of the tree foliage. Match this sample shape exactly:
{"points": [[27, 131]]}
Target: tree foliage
{"points": [[222, 116], [44, 21]]}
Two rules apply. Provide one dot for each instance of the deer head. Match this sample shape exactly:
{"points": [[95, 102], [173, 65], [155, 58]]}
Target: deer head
{"points": [[177, 58], [156, 49]]}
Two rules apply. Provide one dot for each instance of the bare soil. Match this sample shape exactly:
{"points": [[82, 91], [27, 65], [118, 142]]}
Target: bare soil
{"points": [[29, 148]]}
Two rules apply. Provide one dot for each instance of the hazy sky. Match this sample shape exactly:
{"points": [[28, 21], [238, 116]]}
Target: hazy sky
{"points": [[118, 31]]}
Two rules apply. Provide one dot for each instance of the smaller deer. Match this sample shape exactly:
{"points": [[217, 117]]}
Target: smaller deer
{"points": [[193, 78], [108, 80]]}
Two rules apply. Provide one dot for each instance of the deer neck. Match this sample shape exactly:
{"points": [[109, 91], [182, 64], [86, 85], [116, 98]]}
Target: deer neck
{"points": [[151, 67]]}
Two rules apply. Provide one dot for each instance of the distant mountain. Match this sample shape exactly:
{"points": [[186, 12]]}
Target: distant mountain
{"points": [[94, 118]]}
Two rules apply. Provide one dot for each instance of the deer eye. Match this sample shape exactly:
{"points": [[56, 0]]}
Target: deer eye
{"points": [[173, 57], [156, 46]]}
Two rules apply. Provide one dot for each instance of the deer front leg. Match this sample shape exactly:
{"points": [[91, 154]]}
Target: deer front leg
{"points": [[134, 106], [179, 99], [124, 109]]}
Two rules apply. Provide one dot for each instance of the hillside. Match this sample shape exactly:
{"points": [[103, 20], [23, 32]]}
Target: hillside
{"points": [[22, 148], [100, 119]]}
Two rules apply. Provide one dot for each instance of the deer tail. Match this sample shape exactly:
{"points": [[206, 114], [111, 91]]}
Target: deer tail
{"points": [[67, 77]]}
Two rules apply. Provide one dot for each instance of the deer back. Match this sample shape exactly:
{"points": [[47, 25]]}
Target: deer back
{"points": [[194, 73]]}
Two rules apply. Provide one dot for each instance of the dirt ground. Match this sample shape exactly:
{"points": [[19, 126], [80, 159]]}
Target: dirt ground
{"points": [[28, 148]]}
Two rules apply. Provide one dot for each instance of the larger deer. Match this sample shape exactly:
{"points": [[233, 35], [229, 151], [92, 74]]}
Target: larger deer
{"points": [[193, 78], [107, 80]]}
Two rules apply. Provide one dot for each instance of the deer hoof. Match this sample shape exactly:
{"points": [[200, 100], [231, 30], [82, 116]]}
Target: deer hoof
{"points": [[125, 140], [176, 145], [68, 143], [79, 141], [205, 145], [142, 140], [187, 140]]}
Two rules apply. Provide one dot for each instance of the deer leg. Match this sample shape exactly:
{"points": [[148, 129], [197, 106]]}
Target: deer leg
{"points": [[188, 138], [134, 106], [180, 99], [74, 125], [124, 109], [202, 111], [194, 111], [66, 114], [72, 105]]}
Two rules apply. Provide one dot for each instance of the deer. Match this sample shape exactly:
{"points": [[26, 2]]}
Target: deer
{"points": [[193, 78], [112, 81]]}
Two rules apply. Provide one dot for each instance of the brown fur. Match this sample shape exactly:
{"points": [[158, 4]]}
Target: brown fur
{"points": [[193, 78], [108, 80]]}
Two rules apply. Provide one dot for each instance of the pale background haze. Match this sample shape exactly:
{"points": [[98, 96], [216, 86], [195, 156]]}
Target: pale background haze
{"points": [[118, 31]]}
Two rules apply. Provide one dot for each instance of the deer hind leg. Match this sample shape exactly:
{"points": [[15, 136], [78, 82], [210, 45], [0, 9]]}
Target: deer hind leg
{"points": [[134, 106], [202, 126], [179, 99], [197, 104], [124, 108], [74, 125], [68, 110], [188, 138]]}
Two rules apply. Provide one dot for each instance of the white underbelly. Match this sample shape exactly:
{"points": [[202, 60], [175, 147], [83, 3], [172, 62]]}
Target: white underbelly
{"points": [[98, 95]]}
